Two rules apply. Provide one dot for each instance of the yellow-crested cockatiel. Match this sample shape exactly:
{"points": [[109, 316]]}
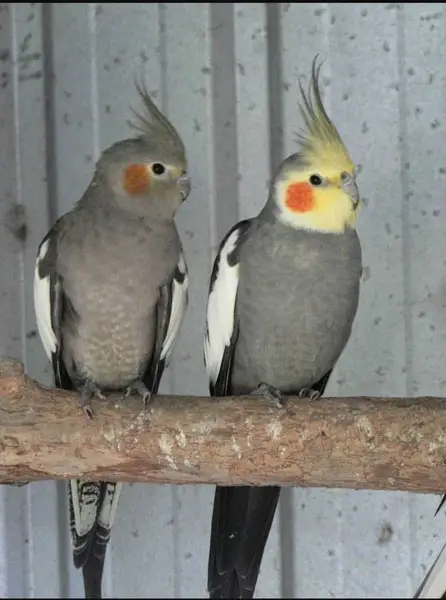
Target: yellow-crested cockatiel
{"points": [[283, 295]]}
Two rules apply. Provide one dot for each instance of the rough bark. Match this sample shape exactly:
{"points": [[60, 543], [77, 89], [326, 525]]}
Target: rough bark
{"points": [[358, 443]]}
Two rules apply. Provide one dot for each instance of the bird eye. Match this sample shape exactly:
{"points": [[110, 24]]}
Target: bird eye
{"points": [[315, 180], [345, 176], [158, 168]]}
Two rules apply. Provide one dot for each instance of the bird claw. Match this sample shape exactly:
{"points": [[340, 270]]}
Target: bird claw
{"points": [[87, 409], [272, 394], [90, 389], [309, 393], [140, 388]]}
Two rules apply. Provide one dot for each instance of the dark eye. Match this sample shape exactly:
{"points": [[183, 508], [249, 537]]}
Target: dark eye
{"points": [[158, 168], [345, 176], [315, 180]]}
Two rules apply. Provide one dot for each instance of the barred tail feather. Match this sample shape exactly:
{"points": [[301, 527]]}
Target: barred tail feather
{"points": [[93, 508]]}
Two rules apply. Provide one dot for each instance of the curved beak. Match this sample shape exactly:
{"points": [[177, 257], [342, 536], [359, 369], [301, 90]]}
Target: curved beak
{"points": [[351, 188], [183, 183]]}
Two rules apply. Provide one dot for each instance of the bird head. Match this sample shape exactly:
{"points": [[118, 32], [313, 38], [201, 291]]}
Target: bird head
{"points": [[148, 173], [316, 189]]}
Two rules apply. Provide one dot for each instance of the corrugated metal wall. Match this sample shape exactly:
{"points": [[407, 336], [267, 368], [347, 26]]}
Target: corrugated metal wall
{"points": [[226, 74]]}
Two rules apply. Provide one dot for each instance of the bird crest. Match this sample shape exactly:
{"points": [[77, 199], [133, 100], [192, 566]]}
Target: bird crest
{"points": [[321, 141], [153, 126]]}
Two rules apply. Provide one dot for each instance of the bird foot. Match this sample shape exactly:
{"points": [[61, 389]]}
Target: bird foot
{"points": [[272, 394], [139, 387], [309, 393], [90, 389]]}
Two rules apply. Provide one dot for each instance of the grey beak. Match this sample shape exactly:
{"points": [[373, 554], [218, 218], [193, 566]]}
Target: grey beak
{"points": [[352, 190], [183, 183]]}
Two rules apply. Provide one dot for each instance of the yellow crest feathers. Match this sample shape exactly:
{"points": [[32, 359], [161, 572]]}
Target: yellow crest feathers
{"points": [[321, 142]]}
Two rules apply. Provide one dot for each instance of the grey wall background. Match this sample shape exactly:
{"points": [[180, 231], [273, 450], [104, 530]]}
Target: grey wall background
{"points": [[226, 75]]}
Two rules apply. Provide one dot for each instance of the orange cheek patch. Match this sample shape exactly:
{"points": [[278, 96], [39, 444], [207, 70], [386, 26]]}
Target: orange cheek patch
{"points": [[136, 179], [299, 197]]}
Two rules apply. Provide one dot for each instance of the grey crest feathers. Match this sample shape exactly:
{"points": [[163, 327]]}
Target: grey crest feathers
{"points": [[153, 126], [126, 168], [156, 138]]}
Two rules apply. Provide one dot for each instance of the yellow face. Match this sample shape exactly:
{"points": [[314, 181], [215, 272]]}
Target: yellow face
{"points": [[316, 188], [320, 199]]}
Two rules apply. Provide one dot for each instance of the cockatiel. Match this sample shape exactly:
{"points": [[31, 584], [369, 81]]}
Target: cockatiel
{"points": [[110, 293], [282, 299]]}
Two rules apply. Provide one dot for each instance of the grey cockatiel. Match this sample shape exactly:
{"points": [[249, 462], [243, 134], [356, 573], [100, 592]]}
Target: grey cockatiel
{"points": [[110, 292], [282, 299]]}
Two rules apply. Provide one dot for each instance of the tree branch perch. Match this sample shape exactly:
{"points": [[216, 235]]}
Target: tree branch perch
{"points": [[357, 443]]}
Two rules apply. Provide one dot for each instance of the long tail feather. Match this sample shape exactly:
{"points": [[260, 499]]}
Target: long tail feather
{"points": [[241, 523], [93, 508]]}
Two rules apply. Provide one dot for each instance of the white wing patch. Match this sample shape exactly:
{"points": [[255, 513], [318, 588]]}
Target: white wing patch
{"points": [[434, 585], [220, 310], [179, 305], [42, 305]]}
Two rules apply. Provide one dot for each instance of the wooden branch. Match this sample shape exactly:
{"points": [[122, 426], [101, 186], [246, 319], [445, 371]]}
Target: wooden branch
{"points": [[358, 443]]}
